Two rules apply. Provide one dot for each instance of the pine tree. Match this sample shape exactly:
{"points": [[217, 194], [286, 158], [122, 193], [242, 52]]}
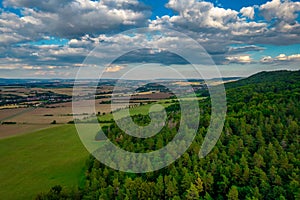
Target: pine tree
{"points": [[233, 193], [192, 193]]}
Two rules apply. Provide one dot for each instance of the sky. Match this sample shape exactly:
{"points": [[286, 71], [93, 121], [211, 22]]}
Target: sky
{"points": [[54, 38]]}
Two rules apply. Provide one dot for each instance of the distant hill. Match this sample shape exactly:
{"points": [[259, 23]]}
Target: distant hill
{"points": [[276, 83], [267, 78]]}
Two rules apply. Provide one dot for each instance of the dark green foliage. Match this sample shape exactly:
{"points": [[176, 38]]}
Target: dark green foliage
{"points": [[57, 193], [256, 157]]}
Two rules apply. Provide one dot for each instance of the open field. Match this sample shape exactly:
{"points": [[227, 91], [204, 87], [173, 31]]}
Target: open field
{"points": [[32, 107], [33, 119], [33, 163], [143, 109], [7, 113], [9, 130], [61, 112]]}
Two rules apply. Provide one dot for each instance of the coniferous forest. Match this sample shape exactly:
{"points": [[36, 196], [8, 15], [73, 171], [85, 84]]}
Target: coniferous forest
{"points": [[256, 157]]}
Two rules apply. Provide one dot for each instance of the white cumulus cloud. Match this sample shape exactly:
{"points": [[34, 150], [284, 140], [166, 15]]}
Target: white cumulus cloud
{"points": [[248, 12], [239, 59], [114, 68]]}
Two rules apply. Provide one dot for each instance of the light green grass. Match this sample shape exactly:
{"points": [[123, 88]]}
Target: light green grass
{"points": [[33, 163], [143, 110]]}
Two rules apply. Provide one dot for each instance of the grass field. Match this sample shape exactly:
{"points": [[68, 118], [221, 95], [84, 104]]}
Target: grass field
{"points": [[33, 163], [143, 109]]}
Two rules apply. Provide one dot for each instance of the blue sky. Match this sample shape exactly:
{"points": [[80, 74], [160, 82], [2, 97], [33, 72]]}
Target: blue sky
{"points": [[52, 38]]}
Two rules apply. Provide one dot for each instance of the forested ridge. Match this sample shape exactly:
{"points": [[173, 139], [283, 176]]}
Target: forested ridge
{"points": [[256, 157]]}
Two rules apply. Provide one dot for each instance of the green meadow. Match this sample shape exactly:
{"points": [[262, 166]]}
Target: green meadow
{"points": [[35, 162], [142, 109]]}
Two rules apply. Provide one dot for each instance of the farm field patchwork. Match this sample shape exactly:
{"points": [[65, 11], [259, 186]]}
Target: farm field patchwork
{"points": [[34, 119]]}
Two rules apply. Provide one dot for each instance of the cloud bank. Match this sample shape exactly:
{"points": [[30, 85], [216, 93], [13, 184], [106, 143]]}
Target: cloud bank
{"points": [[77, 26]]}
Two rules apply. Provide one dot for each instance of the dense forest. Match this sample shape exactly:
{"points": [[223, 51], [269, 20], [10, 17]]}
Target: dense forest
{"points": [[256, 157]]}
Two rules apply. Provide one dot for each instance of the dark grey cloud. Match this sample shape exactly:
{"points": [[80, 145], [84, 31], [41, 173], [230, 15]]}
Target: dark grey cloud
{"points": [[71, 19], [243, 49], [151, 56], [48, 6]]}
